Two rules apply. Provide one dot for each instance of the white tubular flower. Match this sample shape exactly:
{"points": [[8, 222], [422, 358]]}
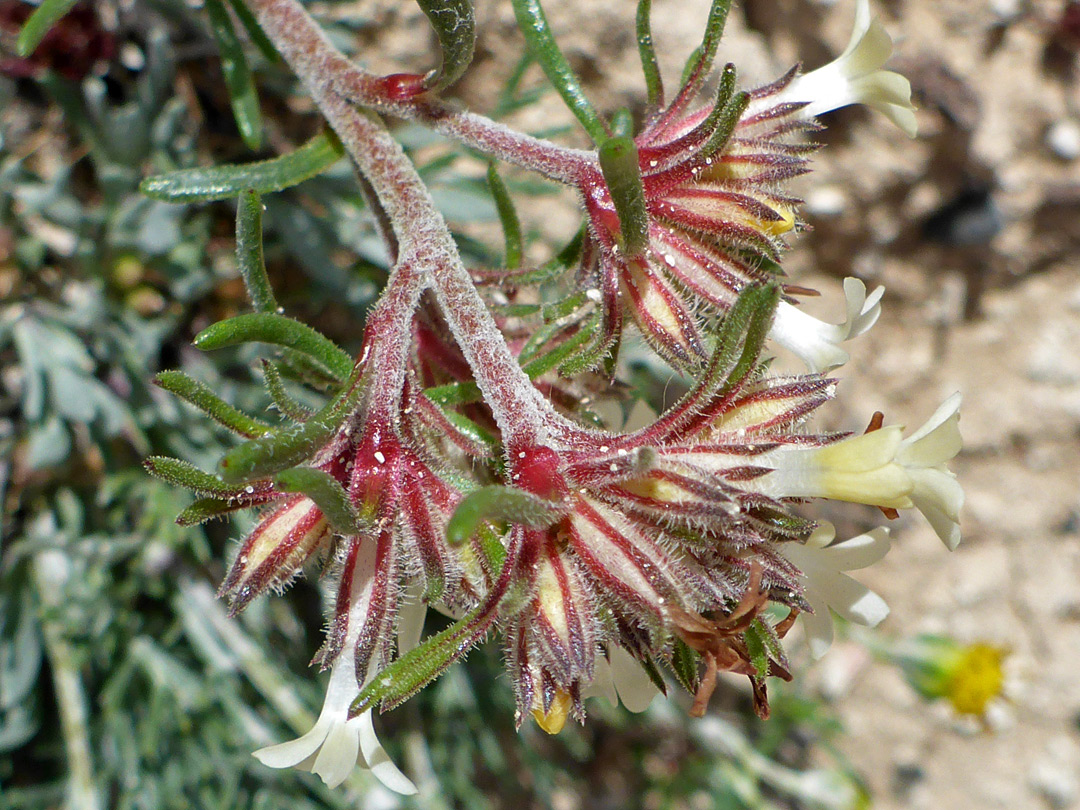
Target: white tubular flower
{"points": [[828, 588], [336, 744], [881, 469], [619, 677], [818, 343], [856, 77]]}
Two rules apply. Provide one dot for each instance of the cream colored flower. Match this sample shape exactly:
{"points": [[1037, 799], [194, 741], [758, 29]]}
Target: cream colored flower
{"points": [[880, 468], [856, 77], [827, 588], [337, 744], [619, 677], [816, 342]]}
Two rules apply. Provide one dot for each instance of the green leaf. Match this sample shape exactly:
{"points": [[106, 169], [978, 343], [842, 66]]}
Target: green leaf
{"points": [[331, 498], [619, 164], [267, 327], [591, 356], [539, 366], [511, 225], [198, 394], [684, 665], [206, 509], [551, 270], [757, 647], [251, 25], [183, 474], [500, 503], [649, 66], [275, 386], [288, 446], [472, 430], [702, 58], [420, 666], [534, 25], [455, 28], [249, 252], [746, 325], [39, 23], [727, 120], [222, 182], [455, 393], [238, 79]]}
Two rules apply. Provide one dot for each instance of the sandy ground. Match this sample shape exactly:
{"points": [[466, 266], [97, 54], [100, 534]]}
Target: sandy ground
{"points": [[974, 228]]}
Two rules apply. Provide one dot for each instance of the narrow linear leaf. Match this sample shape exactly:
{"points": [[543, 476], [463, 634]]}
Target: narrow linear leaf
{"points": [[702, 58], [420, 666], [249, 252], [455, 29], [38, 24], [206, 509], [534, 25], [499, 503], [508, 216], [184, 474], [750, 317], [289, 446], [238, 79], [684, 664], [277, 330], [251, 25], [331, 498], [472, 430], [561, 309], [563, 261], [755, 637], [275, 386], [541, 365], [198, 394], [222, 182], [726, 123], [590, 357], [456, 393], [619, 164], [654, 84]]}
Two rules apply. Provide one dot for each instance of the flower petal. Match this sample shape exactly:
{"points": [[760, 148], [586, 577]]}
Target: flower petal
{"points": [[378, 761], [853, 601], [860, 551], [339, 753], [294, 752], [636, 690]]}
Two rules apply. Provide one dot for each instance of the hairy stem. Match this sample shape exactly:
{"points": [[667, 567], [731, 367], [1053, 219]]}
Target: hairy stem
{"points": [[299, 38], [427, 255]]}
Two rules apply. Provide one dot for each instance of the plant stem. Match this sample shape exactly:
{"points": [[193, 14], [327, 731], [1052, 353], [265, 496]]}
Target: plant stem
{"points": [[299, 38], [428, 257]]}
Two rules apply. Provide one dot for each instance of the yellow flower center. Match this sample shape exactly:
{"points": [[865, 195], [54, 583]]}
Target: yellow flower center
{"points": [[554, 719], [977, 679]]}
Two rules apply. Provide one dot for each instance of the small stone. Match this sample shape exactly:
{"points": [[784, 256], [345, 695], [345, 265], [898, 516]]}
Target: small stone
{"points": [[826, 201], [1063, 139]]}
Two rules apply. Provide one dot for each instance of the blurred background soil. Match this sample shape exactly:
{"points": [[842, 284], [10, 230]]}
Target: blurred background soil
{"points": [[974, 230]]}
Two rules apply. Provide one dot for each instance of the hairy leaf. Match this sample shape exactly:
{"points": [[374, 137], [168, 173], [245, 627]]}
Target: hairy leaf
{"points": [[222, 182], [267, 327], [455, 28]]}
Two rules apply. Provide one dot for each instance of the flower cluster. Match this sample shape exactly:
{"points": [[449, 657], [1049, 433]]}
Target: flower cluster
{"points": [[451, 469], [712, 185]]}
